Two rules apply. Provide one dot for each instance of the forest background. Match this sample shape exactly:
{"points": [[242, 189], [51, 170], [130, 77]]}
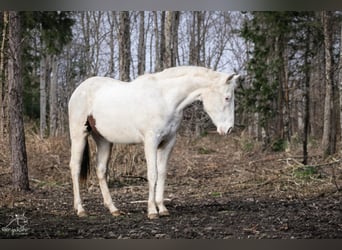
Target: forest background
{"points": [[291, 62]]}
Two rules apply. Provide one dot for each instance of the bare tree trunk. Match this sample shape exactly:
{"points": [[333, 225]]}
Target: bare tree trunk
{"points": [[53, 113], [279, 77], [111, 21], [168, 40], [307, 99], [86, 48], [195, 59], [43, 97], [175, 26], [200, 41], [162, 40], [285, 82], [170, 52], [142, 44], [340, 79], [151, 34], [96, 35], [328, 142], [317, 93], [192, 46], [196, 42], [3, 106], [157, 62], [124, 46], [15, 85]]}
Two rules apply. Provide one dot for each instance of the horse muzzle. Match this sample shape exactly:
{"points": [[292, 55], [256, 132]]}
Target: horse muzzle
{"points": [[224, 131]]}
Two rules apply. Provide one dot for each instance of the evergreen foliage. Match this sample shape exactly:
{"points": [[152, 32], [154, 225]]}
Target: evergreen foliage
{"points": [[276, 63], [45, 33]]}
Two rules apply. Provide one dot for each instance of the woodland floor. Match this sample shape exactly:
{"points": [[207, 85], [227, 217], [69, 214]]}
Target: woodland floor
{"points": [[217, 188]]}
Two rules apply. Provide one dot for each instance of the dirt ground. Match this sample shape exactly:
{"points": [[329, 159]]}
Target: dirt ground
{"points": [[217, 188]]}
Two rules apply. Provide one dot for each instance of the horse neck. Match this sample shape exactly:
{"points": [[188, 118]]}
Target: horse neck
{"points": [[185, 90]]}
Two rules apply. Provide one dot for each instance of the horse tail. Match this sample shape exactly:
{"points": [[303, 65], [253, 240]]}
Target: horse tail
{"points": [[85, 165]]}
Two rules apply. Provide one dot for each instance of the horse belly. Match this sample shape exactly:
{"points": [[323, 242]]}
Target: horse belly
{"points": [[119, 131]]}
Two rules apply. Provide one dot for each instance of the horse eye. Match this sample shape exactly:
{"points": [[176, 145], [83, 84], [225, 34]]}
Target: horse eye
{"points": [[227, 99]]}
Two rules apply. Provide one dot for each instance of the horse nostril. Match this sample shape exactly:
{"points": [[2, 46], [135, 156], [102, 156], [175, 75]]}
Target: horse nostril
{"points": [[229, 130]]}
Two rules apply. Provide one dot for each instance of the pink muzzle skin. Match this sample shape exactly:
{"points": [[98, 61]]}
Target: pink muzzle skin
{"points": [[223, 131]]}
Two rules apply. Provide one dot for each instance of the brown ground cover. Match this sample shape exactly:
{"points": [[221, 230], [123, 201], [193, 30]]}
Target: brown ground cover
{"points": [[217, 188]]}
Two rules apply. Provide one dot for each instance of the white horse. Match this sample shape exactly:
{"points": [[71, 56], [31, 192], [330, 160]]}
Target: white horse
{"points": [[147, 110]]}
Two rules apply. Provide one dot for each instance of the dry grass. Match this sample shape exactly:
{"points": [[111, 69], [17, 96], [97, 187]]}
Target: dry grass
{"points": [[231, 166], [224, 183], [211, 164]]}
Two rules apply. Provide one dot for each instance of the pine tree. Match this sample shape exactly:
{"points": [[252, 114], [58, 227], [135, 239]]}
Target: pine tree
{"points": [[45, 35], [267, 31]]}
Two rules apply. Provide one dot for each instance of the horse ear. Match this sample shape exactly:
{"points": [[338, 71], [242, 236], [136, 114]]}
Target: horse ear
{"points": [[232, 79]]}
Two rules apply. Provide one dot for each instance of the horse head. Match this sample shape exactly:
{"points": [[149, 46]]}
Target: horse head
{"points": [[218, 102]]}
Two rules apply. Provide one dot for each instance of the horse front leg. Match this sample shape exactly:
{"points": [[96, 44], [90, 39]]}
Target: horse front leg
{"points": [[151, 160], [163, 154]]}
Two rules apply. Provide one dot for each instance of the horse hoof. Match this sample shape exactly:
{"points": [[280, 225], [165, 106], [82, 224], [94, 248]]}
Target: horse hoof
{"points": [[117, 213], [82, 214], [153, 216], [164, 213]]}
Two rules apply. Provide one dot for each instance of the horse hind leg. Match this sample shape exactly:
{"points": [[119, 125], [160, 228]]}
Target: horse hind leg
{"points": [[78, 146], [103, 154]]}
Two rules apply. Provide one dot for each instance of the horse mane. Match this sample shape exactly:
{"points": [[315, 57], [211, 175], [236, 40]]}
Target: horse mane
{"points": [[180, 71]]}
